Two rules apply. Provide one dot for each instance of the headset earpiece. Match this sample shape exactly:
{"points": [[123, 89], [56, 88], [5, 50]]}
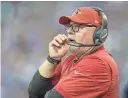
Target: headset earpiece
{"points": [[101, 32]]}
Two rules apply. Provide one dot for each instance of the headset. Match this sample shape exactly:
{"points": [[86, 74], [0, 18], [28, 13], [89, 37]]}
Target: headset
{"points": [[100, 34]]}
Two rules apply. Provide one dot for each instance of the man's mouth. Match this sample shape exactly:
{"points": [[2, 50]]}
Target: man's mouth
{"points": [[71, 40]]}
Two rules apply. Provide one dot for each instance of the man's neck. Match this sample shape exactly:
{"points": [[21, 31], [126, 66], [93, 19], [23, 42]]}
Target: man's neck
{"points": [[89, 51]]}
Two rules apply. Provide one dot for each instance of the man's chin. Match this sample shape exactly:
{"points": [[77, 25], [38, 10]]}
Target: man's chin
{"points": [[76, 51]]}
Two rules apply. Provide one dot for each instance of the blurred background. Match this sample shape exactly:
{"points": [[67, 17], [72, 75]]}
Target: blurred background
{"points": [[27, 27]]}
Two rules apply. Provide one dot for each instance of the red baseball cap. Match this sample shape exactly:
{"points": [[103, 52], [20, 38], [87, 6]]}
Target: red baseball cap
{"points": [[83, 15]]}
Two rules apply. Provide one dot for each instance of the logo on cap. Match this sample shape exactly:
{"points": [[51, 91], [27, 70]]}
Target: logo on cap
{"points": [[77, 12]]}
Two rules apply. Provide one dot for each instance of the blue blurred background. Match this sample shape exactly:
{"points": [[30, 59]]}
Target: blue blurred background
{"points": [[28, 27]]}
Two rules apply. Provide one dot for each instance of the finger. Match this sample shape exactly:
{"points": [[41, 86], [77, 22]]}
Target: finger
{"points": [[65, 36], [58, 39], [55, 43], [62, 37]]}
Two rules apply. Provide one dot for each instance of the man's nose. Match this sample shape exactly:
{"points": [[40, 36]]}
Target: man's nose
{"points": [[70, 31]]}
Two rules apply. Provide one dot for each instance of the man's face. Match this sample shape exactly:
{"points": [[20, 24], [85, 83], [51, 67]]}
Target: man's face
{"points": [[81, 33]]}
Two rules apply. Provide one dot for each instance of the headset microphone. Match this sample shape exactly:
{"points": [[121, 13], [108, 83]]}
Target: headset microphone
{"points": [[74, 43]]}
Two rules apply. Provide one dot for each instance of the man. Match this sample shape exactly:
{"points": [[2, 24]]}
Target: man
{"points": [[89, 72]]}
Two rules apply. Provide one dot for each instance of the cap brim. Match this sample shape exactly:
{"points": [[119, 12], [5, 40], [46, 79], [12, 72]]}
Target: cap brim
{"points": [[66, 20]]}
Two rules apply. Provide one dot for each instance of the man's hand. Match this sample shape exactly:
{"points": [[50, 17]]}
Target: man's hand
{"points": [[58, 47]]}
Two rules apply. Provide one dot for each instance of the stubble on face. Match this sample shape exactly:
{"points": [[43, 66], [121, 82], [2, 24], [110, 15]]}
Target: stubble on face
{"points": [[77, 51]]}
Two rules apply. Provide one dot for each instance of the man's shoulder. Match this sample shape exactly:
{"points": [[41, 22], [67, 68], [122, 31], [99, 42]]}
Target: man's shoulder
{"points": [[102, 56], [94, 63]]}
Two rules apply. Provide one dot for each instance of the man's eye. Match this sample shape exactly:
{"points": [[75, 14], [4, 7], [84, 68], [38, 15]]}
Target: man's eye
{"points": [[75, 25]]}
